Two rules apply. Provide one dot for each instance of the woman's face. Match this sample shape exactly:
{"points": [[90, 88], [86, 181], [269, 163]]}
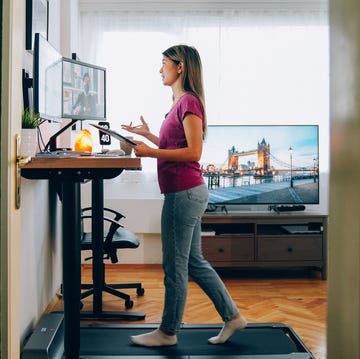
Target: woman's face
{"points": [[169, 71]]}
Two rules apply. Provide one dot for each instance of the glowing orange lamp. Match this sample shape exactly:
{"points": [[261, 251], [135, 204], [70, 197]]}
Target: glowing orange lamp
{"points": [[83, 141]]}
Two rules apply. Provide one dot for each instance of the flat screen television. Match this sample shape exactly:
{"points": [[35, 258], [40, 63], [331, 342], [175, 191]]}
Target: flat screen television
{"points": [[83, 91], [261, 164], [47, 79]]}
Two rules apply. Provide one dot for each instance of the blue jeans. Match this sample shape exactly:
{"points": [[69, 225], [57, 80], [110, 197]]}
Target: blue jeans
{"points": [[182, 256]]}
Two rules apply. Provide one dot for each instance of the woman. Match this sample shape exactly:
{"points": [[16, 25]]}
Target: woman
{"points": [[179, 148]]}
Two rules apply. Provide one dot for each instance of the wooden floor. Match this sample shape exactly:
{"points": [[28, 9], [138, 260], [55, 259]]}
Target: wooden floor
{"points": [[297, 299]]}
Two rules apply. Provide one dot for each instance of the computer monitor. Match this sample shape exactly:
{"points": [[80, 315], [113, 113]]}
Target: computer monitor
{"points": [[47, 80], [83, 91]]}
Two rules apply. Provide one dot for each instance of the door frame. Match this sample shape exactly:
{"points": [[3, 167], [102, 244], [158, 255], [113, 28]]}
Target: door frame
{"points": [[12, 50]]}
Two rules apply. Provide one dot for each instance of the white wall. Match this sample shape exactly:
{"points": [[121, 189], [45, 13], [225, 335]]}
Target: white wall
{"points": [[40, 254], [142, 215]]}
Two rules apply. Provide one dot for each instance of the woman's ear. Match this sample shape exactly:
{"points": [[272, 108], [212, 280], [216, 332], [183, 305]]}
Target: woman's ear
{"points": [[180, 67]]}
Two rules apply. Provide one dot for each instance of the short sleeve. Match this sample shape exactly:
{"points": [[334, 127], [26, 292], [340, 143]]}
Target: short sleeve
{"points": [[190, 104]]}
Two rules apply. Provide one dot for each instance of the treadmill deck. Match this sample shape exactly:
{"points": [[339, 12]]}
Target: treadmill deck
{"points": [[105, 341]]}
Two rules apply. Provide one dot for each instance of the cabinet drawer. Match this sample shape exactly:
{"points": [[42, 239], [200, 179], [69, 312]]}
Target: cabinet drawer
{"points": [[228, 248], [281, 248]]}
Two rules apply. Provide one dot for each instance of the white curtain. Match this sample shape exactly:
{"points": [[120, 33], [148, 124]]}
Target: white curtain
{"points": [[261, 65]]}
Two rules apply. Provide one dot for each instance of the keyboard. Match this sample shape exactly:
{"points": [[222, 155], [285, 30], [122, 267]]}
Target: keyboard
{"points": [[71, 154], [63, 154]]}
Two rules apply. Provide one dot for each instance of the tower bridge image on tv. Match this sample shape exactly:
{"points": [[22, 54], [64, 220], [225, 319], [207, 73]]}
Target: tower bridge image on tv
{"points": [[270, 180], [263, 154]]}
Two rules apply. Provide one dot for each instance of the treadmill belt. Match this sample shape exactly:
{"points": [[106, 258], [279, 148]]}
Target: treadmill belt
{"points": [[250, 341], [102, 341]]}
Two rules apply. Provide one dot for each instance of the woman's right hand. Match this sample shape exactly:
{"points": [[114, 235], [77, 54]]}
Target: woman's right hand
{"points": [[142, 129]]}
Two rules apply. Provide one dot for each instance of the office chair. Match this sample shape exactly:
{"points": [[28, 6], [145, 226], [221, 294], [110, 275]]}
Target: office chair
{"points": [[115, 237]]}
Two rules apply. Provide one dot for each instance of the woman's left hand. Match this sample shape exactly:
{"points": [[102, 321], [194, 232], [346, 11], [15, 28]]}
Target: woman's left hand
{"points": [[142, 150]]}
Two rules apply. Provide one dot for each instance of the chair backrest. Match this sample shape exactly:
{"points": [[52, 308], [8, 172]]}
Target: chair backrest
{"points": [[114, 235]]}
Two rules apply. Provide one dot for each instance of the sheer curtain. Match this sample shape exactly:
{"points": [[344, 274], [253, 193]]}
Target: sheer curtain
{"points": [[261, 64]]}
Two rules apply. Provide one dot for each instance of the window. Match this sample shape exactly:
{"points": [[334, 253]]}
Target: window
{"points": [[260, 66]]}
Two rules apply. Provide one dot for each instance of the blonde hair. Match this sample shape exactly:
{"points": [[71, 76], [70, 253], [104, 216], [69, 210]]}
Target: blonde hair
{"points": [[193, 78]]}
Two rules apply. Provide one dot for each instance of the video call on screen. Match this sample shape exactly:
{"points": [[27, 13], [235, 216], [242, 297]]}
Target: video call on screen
{"points": [[83, 91]]}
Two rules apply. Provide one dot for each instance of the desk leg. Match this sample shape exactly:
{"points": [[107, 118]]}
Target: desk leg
{"points": [[71, 267], [97, 229]]}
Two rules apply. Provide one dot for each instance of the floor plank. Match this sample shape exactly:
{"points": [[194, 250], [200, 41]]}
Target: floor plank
{"points": [[297, 299]]}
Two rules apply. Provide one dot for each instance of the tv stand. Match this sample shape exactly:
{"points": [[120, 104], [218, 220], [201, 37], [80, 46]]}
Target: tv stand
{"points": [[265, 240]]}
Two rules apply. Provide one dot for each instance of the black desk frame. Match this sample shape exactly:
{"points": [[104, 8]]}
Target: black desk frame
{"points": [[70, 180]]}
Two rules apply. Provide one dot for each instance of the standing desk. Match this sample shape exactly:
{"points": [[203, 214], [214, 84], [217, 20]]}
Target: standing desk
{"points": [[69, 173]]}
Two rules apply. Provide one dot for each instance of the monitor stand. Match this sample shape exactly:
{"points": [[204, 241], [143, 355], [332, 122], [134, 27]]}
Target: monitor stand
{"points": [[51, 145]]}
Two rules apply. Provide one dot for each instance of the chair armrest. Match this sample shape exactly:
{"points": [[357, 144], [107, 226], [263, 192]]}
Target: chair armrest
{"points": [[113, 224], [117, 215]]}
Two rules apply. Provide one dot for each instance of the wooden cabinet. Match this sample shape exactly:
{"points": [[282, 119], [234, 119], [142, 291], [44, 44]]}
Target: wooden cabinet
{"points": [[265, 240], [228, 248]]}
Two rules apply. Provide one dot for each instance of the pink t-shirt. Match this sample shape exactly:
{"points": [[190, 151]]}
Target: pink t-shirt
{"points": [[178, 176]]}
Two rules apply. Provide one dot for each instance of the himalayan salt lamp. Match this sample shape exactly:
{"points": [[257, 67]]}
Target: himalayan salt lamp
{"points": [[83, 141]]}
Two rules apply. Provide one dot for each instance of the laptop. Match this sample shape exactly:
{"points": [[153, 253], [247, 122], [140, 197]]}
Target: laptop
{"points": [[114, 134]]}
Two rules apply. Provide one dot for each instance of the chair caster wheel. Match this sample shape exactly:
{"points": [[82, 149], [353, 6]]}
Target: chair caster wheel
{"points": [[140, 291], [129, 304]]}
